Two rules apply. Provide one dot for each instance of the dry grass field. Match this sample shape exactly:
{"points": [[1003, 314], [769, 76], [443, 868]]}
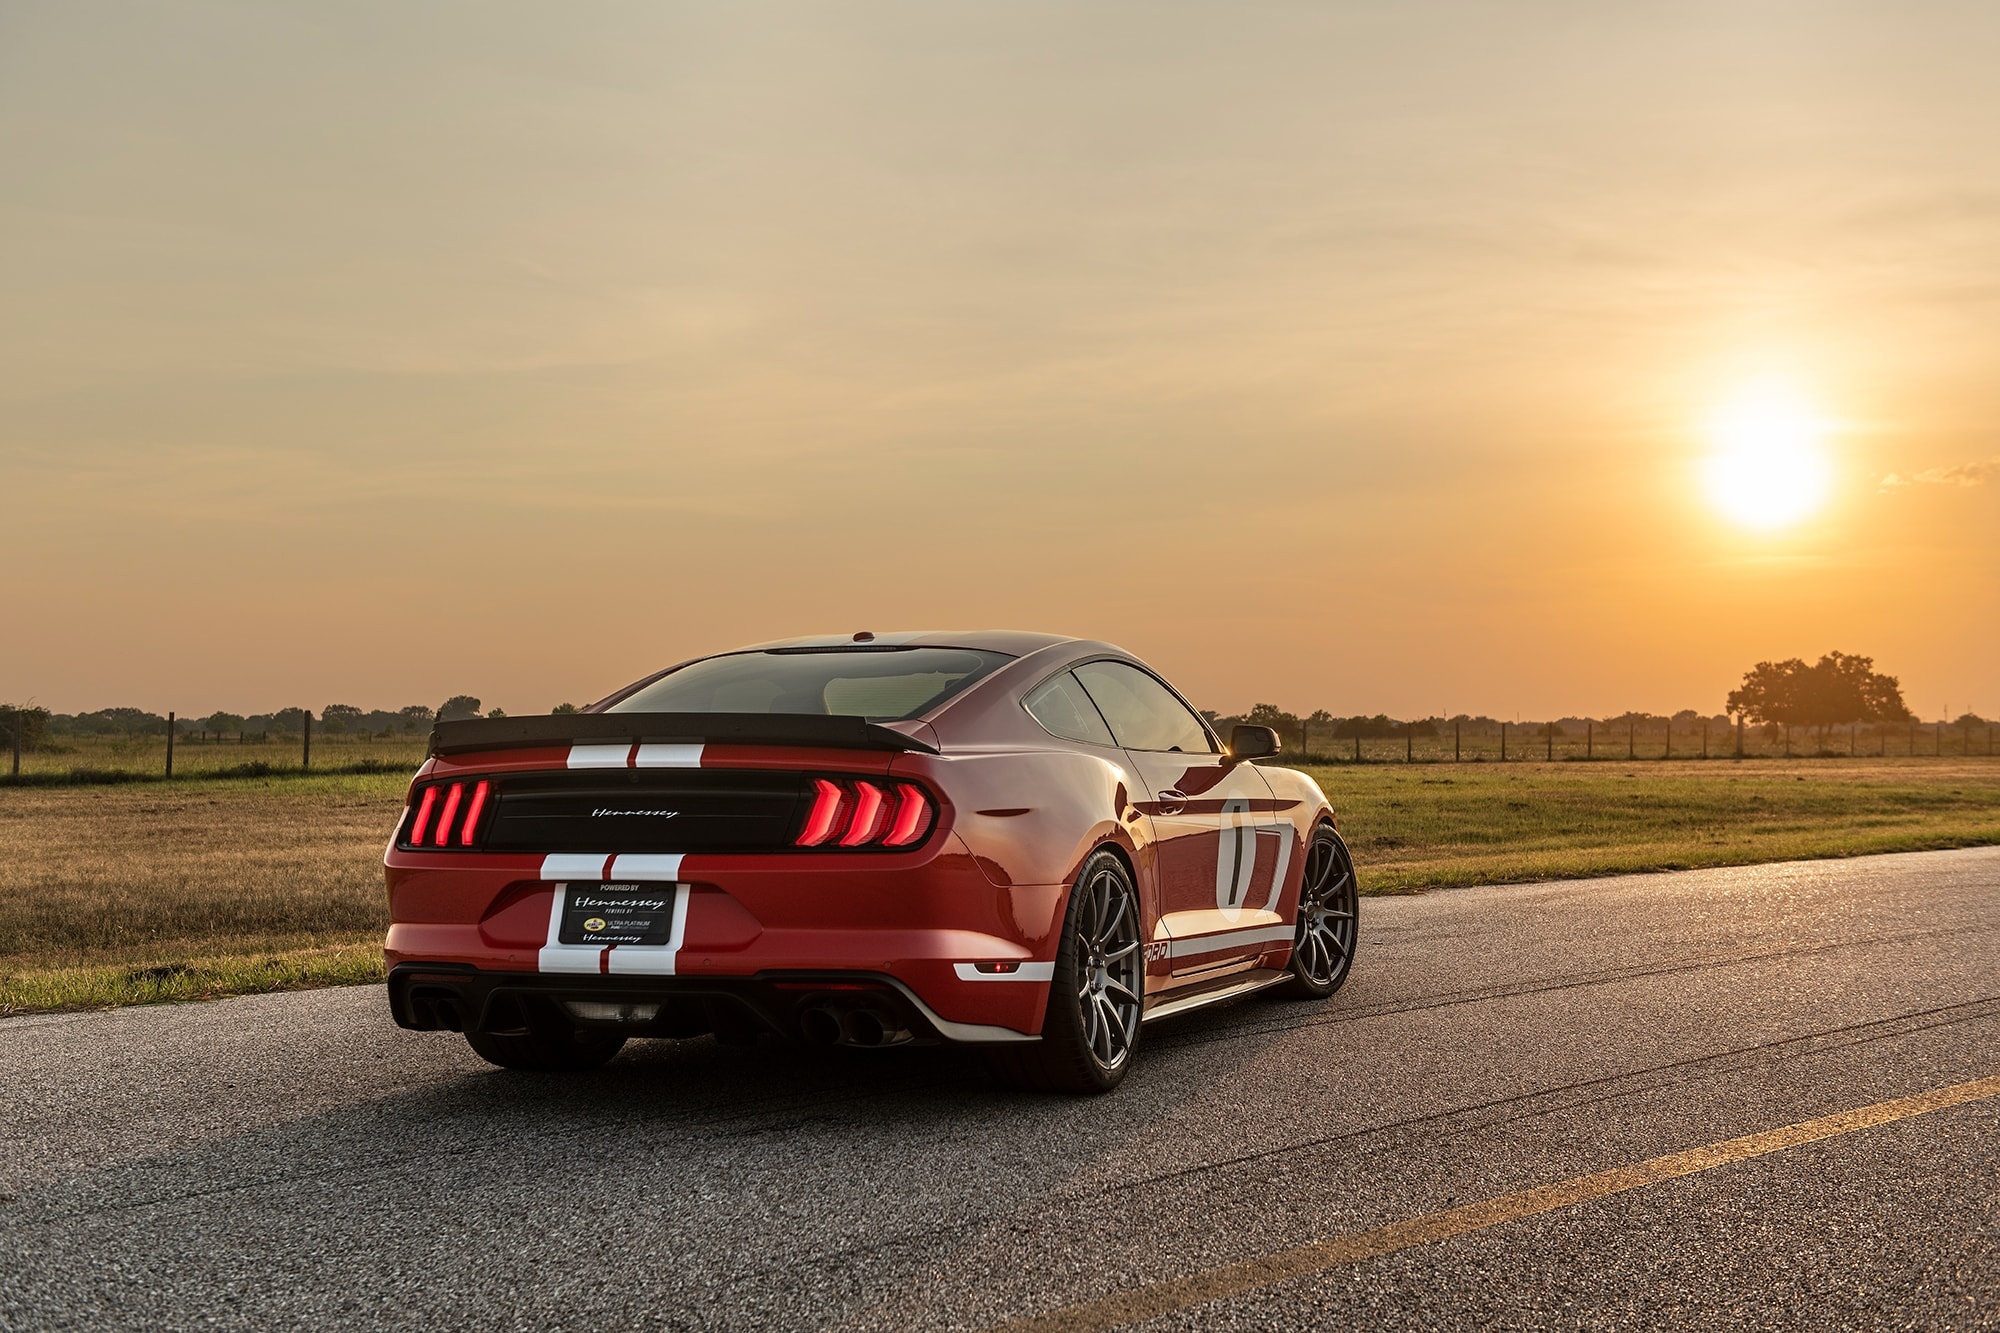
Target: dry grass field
{"points": [[202, 887], [109, 758]]}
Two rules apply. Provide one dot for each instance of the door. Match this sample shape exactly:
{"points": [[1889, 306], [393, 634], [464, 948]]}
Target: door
{"points": [[1218, 873]]}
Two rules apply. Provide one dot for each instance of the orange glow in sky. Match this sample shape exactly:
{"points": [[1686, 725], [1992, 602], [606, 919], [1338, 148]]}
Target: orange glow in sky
{"points": [[1405, 359]]}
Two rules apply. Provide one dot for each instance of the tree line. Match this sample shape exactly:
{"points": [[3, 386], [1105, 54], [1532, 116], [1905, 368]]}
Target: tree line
{"points": [[39, 726], [1839, 690]]}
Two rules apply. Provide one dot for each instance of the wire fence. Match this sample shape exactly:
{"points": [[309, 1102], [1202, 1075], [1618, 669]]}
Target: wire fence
{"points": [[1583, 740], [185, 753]]}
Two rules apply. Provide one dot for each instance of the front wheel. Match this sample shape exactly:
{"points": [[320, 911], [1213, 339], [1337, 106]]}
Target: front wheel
{"points": [[1092, 1025], [1323, 944]]}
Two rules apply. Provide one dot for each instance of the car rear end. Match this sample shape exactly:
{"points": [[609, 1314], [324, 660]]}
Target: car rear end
{"points": [[673, 874]]}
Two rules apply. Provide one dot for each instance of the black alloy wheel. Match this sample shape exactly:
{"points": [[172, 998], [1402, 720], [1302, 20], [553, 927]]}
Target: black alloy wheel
{"points": [[1092, 1026], [1328, 928]]}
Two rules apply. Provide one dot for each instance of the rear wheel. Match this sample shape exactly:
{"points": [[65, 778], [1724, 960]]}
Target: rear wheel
{"points": [[566, 1049], [1323, 946], [1092, 1026]]}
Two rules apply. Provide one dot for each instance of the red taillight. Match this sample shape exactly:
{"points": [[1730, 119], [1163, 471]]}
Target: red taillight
{"points": [[423, 816], [867, 813], [449, 813], [913, 813], [852, 813], [826, 805], [472, 815]]}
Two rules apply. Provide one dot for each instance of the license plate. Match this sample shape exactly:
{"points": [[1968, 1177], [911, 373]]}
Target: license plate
{"points": [[610, 914]]}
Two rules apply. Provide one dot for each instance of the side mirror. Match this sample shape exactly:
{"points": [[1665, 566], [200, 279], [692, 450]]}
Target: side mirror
{"points": [[1252, 743]]}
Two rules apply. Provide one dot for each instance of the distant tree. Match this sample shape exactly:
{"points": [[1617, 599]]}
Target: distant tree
{"points": [[1270, 715], [338, 718], [1834, 691], [119, 722], [220, 723], [496, 712], [458, 707], [26, 721], [560, 709], [290, 721], [416, 717]]}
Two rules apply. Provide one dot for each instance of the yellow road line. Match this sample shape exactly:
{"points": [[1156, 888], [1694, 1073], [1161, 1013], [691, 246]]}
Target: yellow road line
{"points": [[1130, 1307]]}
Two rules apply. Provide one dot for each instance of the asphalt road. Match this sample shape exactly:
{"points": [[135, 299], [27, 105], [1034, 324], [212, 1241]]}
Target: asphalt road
{"points": [[295, 1160]]}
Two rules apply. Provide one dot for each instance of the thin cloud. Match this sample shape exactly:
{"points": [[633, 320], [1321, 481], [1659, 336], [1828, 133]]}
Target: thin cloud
{"points": [[1959, 474]]}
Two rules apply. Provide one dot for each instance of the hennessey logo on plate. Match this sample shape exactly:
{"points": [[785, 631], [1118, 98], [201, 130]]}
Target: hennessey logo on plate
{"points": [[620, 814]]}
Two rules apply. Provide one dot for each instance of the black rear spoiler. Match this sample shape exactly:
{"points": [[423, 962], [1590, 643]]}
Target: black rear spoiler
{"points": [[805, 729]]}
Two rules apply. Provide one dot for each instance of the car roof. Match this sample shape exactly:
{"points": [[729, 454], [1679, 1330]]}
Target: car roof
{"points": [[1014, 643]]}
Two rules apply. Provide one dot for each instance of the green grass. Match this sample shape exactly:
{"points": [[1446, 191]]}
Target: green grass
{"points": [[120, 894], [1427, 826]]}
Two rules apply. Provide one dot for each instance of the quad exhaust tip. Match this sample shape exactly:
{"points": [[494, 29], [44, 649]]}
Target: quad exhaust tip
{"points": [[851, 1025]]}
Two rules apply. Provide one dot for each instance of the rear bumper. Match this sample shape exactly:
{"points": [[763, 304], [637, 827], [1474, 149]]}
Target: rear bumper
{"points": [[962, 958], [430, 996]]}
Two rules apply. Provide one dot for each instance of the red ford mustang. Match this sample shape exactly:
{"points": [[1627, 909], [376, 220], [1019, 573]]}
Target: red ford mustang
{"points": [[1020, 841]]}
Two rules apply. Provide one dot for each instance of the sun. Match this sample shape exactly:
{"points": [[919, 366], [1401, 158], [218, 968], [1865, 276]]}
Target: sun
{"points": [[1769, 467]]}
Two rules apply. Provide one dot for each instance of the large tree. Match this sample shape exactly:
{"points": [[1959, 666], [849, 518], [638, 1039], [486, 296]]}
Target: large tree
{"points": [[1834, 691], [457, 707]]}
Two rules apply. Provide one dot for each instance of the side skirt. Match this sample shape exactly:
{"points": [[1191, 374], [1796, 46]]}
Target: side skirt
{"points": [[1236, 987]]}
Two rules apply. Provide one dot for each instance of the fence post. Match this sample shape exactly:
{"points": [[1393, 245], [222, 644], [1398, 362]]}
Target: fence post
{"points": [[1670, 739], [1739, 735], [1939, 734], [1704, 738], [17, 722], [1590, 738], [170, 742], [1455, 759], [306, 755], [1631, 738], [1305, 741], [1503, 742], [1409, 742], [1552, 743]]}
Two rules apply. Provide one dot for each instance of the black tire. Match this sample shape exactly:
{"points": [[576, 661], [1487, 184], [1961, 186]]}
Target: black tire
{"points": [[1091, 1030], [568, 1050], [1328, 922]]}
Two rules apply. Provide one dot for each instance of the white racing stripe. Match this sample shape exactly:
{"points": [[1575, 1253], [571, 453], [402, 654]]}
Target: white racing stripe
{"points": [[559, 868], [655, 960], [668, 756], [600, 756], [633, 754], [1025, 972], [1230, 939]]}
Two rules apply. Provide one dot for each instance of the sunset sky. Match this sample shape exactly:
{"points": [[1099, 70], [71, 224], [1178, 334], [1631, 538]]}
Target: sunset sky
{"points": [[1359, 357]]}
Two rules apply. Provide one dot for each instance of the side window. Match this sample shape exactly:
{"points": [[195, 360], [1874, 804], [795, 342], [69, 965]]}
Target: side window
{"points": [[1144, 714], [1064, 710]]}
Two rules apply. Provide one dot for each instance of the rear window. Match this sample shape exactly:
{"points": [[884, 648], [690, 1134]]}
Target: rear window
{"points": [[888, 684]]}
